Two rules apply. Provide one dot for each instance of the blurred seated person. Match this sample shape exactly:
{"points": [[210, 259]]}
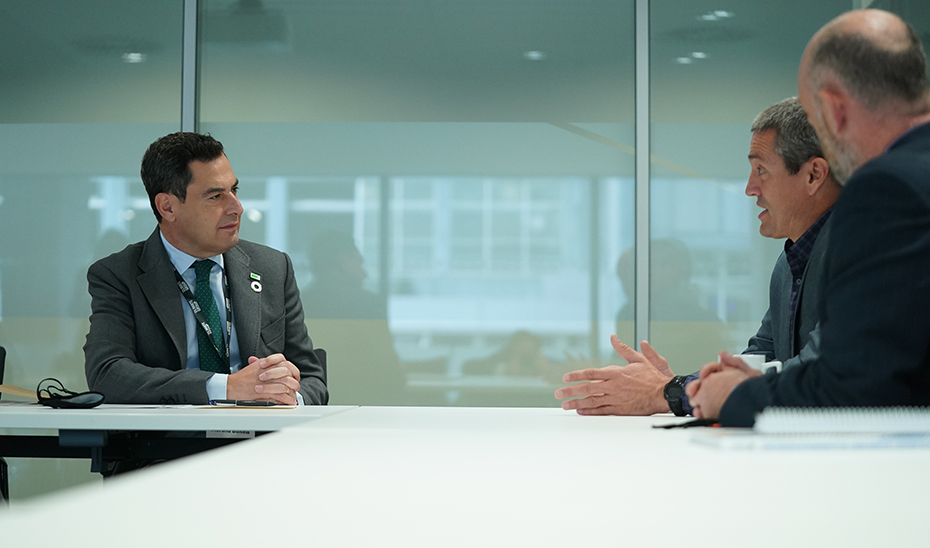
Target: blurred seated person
{"points": [[351, 324], [363, 365], [521, 356], [674, 297], [338, 275], [678, 320]]}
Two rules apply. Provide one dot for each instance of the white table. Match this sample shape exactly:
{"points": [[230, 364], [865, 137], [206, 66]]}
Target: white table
{"points": [[151, 417], [496, 477], [87, 433]]}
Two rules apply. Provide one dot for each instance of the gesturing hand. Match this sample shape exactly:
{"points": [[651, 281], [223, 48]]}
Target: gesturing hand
{"points": [[634, 389]]}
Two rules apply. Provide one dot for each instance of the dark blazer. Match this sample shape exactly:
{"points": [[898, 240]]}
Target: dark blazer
{"points": [[875, 327], [136, 350], [774, 338]]}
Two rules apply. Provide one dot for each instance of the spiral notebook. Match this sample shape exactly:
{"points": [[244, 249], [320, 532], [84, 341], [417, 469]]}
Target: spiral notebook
{"points": [[826, 428]]}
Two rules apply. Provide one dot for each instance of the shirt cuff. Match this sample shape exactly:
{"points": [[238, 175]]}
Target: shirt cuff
{"points": [[216, 387]]}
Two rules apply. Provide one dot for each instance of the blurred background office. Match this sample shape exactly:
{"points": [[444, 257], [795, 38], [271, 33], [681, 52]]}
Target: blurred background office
{"points": [[479, 156]]}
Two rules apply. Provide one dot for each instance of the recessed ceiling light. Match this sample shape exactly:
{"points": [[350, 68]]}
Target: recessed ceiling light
{"points": [[116, 47], [684, 60], [699, 55], [534, 55], [715, 15], [134, 57]]}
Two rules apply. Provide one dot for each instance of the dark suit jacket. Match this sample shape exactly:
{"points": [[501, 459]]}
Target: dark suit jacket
{"points": [[136, 350], [875, 327], [774, 338]]}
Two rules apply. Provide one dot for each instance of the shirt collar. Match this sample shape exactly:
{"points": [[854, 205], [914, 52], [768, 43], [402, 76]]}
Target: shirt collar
{"points": [[799, 252], [182, 261]]}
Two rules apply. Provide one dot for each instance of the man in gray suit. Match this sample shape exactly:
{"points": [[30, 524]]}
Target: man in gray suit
{"points": [[154, 340], [793, 184]]}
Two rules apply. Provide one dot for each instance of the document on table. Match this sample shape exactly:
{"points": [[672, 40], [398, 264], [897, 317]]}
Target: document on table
{"points": [[190, 406], [826, 428], [146, 406]]}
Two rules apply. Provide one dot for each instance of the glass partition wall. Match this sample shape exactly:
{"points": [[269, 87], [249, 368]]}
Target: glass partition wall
{"points": [[84, 88], [714, 65], [455, 181], [476, 157]]}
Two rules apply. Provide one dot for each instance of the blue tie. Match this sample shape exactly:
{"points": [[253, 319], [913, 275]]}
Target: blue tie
{"points": [[209, 359]]}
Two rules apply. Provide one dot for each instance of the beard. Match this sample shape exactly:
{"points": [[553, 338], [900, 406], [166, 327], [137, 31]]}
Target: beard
{"points": [[841, 156], [842, 159]]}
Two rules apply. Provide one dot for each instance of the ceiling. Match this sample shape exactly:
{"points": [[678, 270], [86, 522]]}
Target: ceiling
{"points": [[405, 60]]}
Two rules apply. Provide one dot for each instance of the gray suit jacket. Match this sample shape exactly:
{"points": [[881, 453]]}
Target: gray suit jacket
{"points": [[136, 350], [773, 338]]}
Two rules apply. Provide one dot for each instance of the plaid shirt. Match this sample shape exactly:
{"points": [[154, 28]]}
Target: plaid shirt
{"points": [[798, 254]]}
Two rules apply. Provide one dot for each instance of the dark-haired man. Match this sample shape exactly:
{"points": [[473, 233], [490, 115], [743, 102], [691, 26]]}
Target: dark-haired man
{"points": [[792, 182], [193, 313], [863, 82]]}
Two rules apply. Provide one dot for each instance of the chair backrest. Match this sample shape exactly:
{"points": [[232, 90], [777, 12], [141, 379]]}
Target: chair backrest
{"points": [[2, 364], [320, 355]]}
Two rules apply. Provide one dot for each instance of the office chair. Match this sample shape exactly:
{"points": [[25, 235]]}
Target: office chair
{"points": [[4, 471], [320, 355]]}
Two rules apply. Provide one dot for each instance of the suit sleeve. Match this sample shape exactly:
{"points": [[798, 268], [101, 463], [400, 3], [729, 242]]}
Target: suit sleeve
{"points": [[874, 336], [111, 352], [763, 341], [810, 353]]}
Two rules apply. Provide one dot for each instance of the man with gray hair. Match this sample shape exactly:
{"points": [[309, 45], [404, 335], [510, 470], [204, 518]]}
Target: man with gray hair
{"points": [[863, 82], [792, 183]]}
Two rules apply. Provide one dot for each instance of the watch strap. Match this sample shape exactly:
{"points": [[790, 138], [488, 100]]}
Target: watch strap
{"points": [[674, 392]]}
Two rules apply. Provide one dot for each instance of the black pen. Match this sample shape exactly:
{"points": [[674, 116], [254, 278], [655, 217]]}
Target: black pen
{"points": [[244, 403]]}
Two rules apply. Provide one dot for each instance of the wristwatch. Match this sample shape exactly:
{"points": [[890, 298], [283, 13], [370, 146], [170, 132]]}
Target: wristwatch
{"points": [[674, 391]]}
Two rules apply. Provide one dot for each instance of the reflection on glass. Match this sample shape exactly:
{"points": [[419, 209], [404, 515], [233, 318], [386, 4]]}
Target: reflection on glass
{"points": [[492, 181], [673, 296], [700, 139], [351, 324]]}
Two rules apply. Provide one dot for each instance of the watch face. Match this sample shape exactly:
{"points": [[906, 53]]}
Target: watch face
{"points": [[673, 391]]}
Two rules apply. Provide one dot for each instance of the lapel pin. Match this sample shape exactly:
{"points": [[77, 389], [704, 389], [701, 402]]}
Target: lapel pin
{"points": [[256, 286]]}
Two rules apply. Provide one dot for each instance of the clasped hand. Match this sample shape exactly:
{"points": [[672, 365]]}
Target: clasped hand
{"points": [[710, 391], [272, 379]]}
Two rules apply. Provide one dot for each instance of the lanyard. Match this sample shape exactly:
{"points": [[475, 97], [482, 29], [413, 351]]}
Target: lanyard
{"points": [[199, 317]]}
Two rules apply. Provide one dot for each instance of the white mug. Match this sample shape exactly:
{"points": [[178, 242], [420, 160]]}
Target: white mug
{"points": [[757, 361]]}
